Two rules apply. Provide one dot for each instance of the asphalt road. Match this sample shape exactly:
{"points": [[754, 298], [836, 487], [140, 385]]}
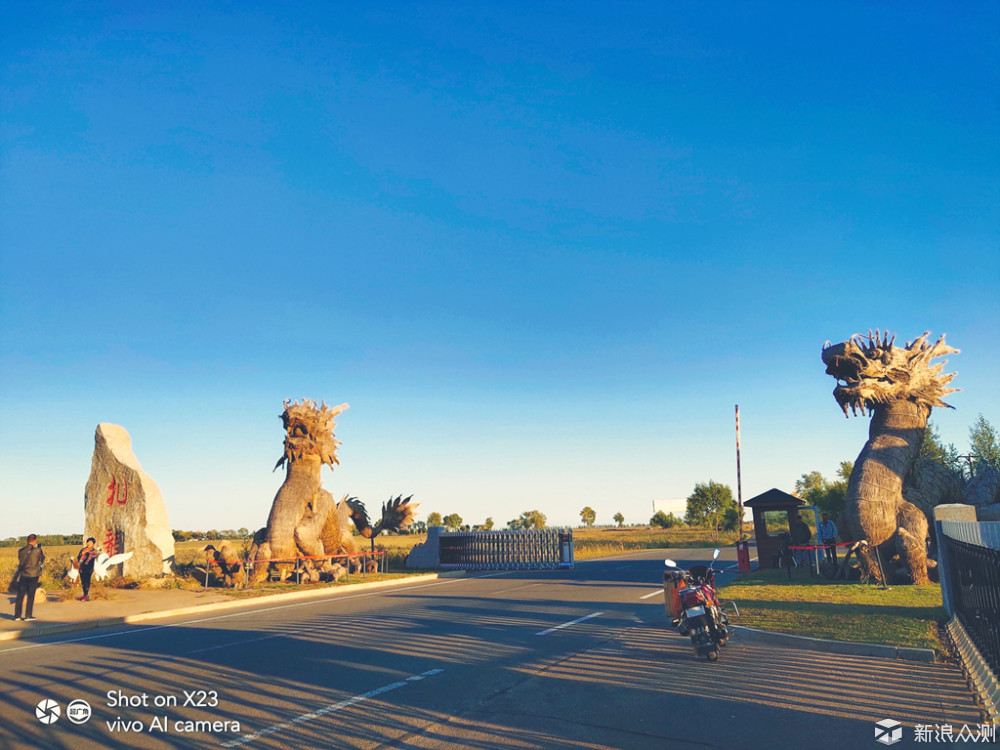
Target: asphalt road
{"points": [[538, 659]]}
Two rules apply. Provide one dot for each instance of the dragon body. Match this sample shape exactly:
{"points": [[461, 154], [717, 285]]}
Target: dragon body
{"points": [[898, 387], [305, 521]]}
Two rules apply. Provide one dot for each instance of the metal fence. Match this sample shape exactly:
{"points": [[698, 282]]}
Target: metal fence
{"points": [[971, 582], [506, 550]]}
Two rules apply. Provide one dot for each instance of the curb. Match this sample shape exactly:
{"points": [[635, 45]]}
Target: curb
{"points": [[977, 671], [42, 630], [743, 634]]}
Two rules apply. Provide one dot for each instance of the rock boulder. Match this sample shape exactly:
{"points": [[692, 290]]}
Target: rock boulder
{"points": [[124, 508]]}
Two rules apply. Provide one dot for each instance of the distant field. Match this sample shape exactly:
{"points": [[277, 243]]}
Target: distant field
{"points": [[587, 542]]}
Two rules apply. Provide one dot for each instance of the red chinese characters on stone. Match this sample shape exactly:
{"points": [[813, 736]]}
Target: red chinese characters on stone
{"points": [[110, 542], [118, 493]]}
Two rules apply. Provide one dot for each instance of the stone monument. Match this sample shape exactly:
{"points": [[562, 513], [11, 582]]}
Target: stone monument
{"points": [[124, 508]]}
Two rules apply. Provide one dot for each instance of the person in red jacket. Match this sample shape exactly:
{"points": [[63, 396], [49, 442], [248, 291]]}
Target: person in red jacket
{"points": [[84, 562]]}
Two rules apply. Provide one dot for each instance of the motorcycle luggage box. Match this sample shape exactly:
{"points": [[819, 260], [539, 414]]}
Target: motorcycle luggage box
{"points": [[671, 596]]}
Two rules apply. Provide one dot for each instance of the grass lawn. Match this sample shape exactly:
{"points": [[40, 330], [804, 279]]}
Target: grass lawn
{"points": [[838, 610]]}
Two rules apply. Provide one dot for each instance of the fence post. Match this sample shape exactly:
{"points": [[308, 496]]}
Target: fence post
{"points": [[945, 513]]}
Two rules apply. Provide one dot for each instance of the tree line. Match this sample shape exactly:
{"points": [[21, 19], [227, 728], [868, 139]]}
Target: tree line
{"points": [[530, 519], [44, 540]]}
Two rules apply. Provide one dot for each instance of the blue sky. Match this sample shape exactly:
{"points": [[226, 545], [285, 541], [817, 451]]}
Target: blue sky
{"points": [[542, 250]]}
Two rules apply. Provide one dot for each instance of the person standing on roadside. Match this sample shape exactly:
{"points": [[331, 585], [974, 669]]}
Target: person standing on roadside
{"points": [[827, 533], [801, 535], [85, 564], [30, 559]]}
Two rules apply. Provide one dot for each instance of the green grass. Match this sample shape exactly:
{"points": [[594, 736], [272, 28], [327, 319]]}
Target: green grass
{"points": [[839, 610]]}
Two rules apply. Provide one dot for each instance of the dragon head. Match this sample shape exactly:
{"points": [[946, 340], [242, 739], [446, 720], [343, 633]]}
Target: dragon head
{"points": [[871, 371], [309, 431]]}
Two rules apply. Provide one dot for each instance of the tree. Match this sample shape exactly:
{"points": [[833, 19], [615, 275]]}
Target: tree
{"points": [[588, 515], [619, 519], [486, 525], [934, 449], [664, 520], [984, 445], [419, 527], [707, 506], [452, 521], [828, 496], [434, 519], [530, 519]]}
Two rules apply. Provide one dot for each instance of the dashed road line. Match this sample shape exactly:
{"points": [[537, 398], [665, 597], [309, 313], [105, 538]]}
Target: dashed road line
{"points": [[567, 624], [329, 709]]}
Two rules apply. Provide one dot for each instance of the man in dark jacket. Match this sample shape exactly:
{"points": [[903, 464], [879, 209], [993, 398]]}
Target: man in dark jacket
{"points": [[801, 535], [30, 559]]}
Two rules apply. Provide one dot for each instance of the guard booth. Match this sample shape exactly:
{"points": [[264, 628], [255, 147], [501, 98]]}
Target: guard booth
{"points": [[772, 516]]}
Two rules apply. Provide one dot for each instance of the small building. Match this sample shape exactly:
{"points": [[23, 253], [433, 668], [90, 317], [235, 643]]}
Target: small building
{"points": [[772, 517]]}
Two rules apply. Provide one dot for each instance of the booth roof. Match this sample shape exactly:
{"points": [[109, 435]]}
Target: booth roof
{"points": [[774, 497]]}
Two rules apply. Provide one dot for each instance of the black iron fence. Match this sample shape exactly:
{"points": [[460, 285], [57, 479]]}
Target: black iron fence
{"points": [[972, 586], [975, 588], [507, 550]]}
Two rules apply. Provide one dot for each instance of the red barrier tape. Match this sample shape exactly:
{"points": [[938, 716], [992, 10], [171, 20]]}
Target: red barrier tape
{"points": [[269, 560], [376, 553]]}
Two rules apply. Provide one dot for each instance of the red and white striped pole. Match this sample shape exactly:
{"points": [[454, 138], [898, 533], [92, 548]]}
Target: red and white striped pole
{"points": [[742, 547], [739, 488]]}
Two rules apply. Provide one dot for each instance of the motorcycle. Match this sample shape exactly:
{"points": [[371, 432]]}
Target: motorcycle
{"points": [[699, 611]]}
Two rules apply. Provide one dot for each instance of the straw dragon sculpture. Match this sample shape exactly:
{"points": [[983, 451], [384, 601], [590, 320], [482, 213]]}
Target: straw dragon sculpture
{"points": [[898, 386], [305, 520]]}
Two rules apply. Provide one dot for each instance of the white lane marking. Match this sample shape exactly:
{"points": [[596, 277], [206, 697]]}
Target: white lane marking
{"points": [[241, 613], [329, 709], [650, 596], [235, 643], [567, 624], [519, 588]]}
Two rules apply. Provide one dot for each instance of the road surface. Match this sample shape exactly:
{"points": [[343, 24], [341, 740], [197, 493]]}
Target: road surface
{"points": [[577, 659]]}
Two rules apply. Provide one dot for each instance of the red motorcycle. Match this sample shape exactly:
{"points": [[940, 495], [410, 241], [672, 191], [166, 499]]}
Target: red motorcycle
{"points": [[699, 610]]}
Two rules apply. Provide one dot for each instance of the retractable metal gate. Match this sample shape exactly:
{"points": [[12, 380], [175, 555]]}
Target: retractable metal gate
{"points": [[507, 550]]}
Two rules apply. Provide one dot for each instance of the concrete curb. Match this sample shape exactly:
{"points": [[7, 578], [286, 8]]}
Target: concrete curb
{"points": [[743, 634], [43, 629], [977, 671]]}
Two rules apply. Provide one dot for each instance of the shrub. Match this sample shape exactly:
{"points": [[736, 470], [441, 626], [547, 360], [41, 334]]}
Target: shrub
{"points": [[664, 520]]}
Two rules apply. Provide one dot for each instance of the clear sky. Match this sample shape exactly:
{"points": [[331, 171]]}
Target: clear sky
{"points": [[541, 249]]}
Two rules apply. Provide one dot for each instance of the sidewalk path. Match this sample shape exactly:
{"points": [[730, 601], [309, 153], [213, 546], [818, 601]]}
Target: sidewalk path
{"points": [[136, 605]]}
